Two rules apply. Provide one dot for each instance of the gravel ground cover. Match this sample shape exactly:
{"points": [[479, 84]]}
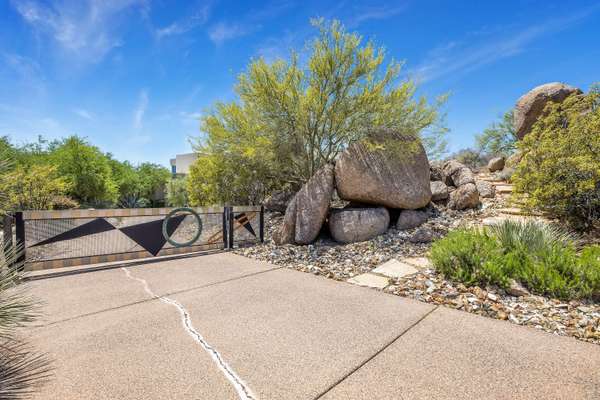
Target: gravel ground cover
{"points": [[579, 319]]}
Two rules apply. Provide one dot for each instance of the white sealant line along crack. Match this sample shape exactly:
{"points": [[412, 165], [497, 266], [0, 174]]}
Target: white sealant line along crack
{"points": [[238, 384]]}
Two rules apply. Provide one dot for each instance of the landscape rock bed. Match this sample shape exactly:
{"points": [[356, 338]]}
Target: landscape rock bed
{"points": [[579, 319], [343, 261]]}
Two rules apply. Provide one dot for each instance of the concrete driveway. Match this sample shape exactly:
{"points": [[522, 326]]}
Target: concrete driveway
{"points": [[223, 326]]}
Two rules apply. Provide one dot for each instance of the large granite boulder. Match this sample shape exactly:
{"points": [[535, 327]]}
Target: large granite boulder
{"points": [[496, 164], [439, 190], [278, 201], [457, 174], [308, 210], [409, 219], [465, 196], [531, 105], [392, 173], [349, 225]]}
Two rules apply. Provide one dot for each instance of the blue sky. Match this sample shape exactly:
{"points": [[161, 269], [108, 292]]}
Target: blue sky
{"points": [[133, 76]]}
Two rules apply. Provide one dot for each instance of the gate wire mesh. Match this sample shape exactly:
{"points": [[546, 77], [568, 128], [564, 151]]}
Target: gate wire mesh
{"points": [[74, 237], [42, 236]]}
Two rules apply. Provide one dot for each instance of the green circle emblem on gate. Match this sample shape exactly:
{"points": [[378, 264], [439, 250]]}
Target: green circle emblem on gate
{"points": [[170, 215]]}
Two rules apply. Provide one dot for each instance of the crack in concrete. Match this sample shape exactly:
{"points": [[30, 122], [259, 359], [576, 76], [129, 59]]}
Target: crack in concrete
{"points": [[381, 350], [238, 384]]}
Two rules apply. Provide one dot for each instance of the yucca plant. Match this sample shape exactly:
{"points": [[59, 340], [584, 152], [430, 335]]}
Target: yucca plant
{"points": [[22, 369], [532, 236]]}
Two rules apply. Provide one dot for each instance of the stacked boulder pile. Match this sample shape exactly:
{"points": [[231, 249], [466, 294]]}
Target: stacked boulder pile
{"points": [[386, 183]]}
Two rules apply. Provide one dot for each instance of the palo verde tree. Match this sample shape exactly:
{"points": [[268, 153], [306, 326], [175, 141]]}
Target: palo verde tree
{"points": [[292, 116]]}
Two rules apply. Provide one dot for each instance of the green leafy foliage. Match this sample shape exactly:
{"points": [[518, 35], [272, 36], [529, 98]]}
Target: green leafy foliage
{"points": [[38, 187], [560, 168], [541, 257], [64, 173], [292, 116], [472, 158], [86, 170], [499, 139], [177, 195], [153, 179]]}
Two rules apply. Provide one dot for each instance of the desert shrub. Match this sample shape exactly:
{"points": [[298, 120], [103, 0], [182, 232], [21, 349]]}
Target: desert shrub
{"points": [[560, 168], [542, 258], [472, 158], [464, 255], [38, 187]]}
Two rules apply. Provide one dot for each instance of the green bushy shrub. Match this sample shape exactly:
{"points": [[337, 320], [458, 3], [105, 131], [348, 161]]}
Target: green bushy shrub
{"points": [[560, 168], [541, 257], [464, 256]]}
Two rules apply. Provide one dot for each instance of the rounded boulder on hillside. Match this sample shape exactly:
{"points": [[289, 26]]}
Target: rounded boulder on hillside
{"points": [[392, 173], [307, 211], [349, 225], [531, 105]]}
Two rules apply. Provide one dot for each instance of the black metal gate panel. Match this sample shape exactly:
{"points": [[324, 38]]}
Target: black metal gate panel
{"points": [[54, 239]]}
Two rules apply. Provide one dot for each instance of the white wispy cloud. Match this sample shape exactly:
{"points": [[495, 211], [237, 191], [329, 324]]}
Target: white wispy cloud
{"points": [[84, 113], [223, 31], [27, 71], [365, 14], [460, 57], [86, 28], [190, 115], [140, 110], [198, 18]]}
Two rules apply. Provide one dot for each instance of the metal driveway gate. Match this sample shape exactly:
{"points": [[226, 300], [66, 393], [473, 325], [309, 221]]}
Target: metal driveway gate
{"points": [[54, 239]]}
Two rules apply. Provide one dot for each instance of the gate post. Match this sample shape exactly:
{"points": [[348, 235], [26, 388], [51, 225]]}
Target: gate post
{"points": [[7, 237], [225, 225], [230, 227], [20, 239], [261, 226]]}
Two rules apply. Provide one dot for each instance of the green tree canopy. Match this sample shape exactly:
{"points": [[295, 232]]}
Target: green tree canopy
{"points": [[177, 192], [499, 139], [292, 116], [86, 169], [153, 179]]}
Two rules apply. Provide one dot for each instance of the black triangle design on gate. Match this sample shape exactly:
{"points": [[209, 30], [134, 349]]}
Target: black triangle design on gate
{"points": [[243, 220], [149, 234], [97, 225]]}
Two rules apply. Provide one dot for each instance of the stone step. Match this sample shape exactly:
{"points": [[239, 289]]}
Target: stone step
{"points": [[395, 269], [501, 218], [519, 211], [418, 262], [504, 188], [370, 280], [494, 181]]}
